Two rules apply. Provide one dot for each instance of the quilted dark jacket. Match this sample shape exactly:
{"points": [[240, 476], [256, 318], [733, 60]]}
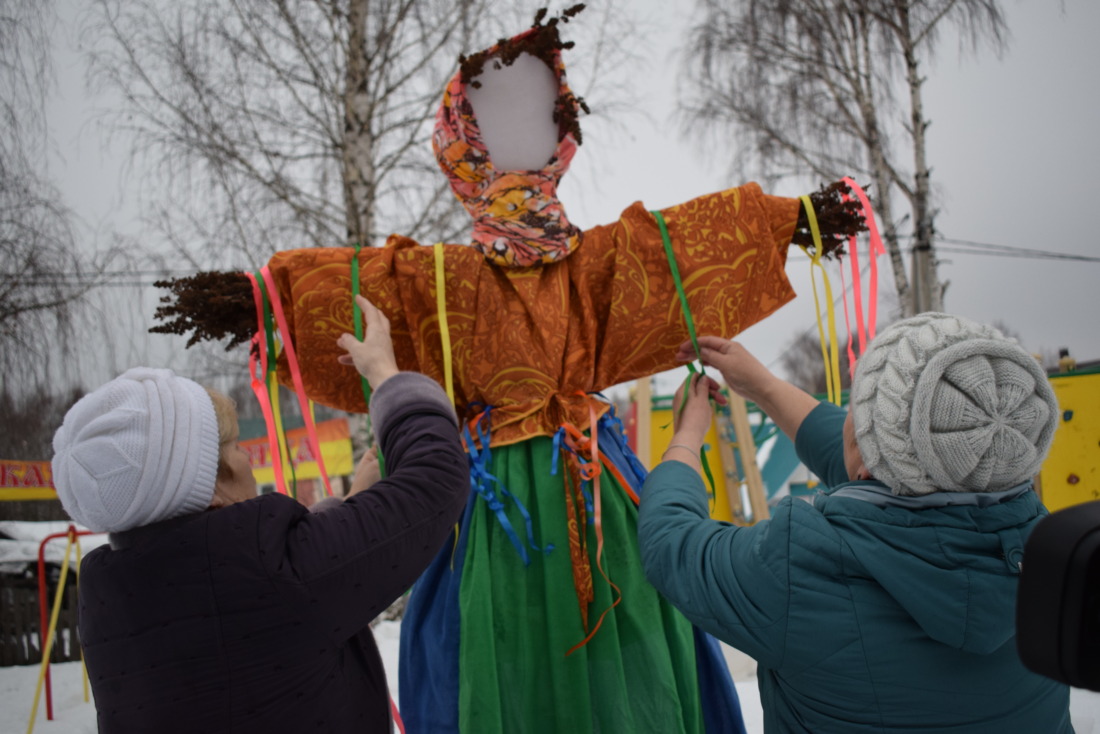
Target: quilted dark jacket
{"points": [[254, 617]]}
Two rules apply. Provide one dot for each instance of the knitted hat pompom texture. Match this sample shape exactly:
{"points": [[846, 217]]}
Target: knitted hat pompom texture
{"points": [[944, 404], [142, 448]]}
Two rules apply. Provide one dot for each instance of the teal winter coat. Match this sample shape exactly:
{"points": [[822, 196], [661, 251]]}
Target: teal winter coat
{"points": [[865, 611]]}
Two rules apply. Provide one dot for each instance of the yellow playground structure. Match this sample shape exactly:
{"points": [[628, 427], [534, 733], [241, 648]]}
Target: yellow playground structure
{"points": [[1071, 473]]}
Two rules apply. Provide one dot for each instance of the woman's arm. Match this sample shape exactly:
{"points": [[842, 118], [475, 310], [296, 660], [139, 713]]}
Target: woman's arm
{"points": [[730, 581], [359, 557]]}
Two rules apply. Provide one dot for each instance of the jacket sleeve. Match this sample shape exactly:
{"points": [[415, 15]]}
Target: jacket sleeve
{"points": [[357, 558], [820, 443], [731, 581]]}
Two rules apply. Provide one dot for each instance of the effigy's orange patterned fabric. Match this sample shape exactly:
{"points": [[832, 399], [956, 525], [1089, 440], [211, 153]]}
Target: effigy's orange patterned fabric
{"points": [[529, 342]]}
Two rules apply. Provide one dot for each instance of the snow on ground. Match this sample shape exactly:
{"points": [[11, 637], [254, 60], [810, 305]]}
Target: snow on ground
{"points": [[73, 716], [19, 545]]}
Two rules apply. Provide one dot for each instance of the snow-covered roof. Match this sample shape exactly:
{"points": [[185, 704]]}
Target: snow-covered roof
{"points": [[19, 542]]}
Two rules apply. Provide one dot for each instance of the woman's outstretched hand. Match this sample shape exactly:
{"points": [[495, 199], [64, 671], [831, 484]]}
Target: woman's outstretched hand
{"points": [[743, 372], [367, 472], [691, 418], [691, 411], [745, 375], [372, 357]]}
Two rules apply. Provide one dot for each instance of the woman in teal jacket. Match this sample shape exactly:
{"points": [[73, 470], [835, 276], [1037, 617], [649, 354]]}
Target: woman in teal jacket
{"points": [[888, 604]]}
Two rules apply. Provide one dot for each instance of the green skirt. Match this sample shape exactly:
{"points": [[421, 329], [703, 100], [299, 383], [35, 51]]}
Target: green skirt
{"points": [[485, 637]]}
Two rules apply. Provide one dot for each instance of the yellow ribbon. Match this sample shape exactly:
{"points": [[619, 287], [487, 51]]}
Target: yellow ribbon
{"points": [[830, 353], [445, 337], [444, 331], [284, 457]]}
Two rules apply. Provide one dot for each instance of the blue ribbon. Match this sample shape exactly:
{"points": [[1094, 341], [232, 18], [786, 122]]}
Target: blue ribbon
{"points": [[559, 436], [559, 445], [618, 430], [482, 482]]}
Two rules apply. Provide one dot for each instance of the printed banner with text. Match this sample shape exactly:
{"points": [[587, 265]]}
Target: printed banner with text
{"points": [[26, 480], [334, 437]]}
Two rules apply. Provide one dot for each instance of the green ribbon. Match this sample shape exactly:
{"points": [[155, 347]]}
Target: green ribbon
{"points": [[679, 288], [357, 316], [691, 332]]}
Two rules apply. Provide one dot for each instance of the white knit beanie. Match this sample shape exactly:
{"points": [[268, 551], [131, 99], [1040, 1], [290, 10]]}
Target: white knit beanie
{"points": [[142, 448], [941, 403]]}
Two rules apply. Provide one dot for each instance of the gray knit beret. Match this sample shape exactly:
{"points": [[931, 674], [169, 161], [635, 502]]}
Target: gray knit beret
{"points": [[941, 403]]}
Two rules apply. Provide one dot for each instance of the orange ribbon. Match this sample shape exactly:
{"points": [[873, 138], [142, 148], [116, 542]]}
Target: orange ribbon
{"points": [[591, 471]]}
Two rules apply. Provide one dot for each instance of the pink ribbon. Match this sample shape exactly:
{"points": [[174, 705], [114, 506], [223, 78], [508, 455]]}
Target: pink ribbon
{"points": [[259, 385], [296, 376], [865, 332]]}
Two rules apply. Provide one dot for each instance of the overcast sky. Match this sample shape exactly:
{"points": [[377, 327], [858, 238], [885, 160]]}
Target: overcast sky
{"points": [[1013, 147]]}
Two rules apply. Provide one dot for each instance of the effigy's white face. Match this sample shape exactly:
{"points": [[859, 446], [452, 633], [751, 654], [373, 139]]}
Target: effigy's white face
{"points": [[515, 112]]}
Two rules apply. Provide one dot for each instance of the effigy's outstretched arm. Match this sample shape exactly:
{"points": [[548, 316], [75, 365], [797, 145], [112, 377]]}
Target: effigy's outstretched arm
{"points": [[215, 305], [730, 251]]}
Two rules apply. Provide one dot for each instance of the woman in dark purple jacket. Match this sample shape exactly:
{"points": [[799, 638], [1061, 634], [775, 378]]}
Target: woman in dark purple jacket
{"points": [[214, 610]]}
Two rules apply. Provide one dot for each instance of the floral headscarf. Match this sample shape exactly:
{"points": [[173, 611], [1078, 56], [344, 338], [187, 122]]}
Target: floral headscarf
{"points": [[518, 220]]}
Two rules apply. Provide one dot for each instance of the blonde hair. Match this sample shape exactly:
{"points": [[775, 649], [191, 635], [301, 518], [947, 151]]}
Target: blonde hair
{"points": [[225, 410]]}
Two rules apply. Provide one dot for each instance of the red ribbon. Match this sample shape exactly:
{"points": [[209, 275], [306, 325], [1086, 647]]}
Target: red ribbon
{"points": [[875, 248], [259, 385], [296, 376]]}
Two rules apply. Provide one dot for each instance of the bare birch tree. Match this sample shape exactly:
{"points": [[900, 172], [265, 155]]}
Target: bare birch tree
{"points": [[828, 88], [277, 124], [271, 125]]}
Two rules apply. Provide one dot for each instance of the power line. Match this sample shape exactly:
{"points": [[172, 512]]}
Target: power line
{"points": [[968, 247], [111, 278], [77, 284], [61, 275], [989, 248]]}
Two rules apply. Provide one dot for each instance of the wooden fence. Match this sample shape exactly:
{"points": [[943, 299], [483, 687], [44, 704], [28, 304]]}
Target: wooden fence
{"points": [[33, 511], [19, 618]]}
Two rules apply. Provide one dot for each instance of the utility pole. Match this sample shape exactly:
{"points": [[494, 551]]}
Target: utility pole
{"points": [[926, 293], [918, 291]]}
